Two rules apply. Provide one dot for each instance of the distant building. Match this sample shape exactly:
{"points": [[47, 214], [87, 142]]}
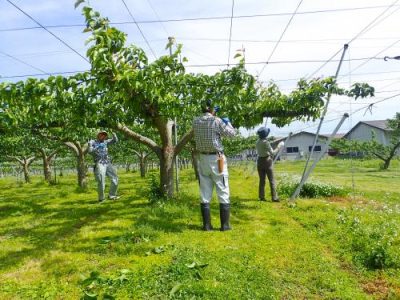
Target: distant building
{"points": [[362, 131], [299, 145]]}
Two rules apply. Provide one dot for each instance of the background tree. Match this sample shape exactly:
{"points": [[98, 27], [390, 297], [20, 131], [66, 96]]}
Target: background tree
{"points": [[373, 148], [21, 149], [123, 89]]}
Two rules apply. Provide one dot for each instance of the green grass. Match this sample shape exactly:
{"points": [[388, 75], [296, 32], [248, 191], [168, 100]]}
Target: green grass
{"points": [[58, 243]]}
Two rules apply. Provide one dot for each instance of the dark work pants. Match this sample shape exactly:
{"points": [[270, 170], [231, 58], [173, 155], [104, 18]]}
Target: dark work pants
{"points": [[265, 169]]}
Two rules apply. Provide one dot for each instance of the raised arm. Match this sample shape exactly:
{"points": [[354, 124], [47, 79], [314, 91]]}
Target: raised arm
{"points": [[113, 140], [226, 128]]}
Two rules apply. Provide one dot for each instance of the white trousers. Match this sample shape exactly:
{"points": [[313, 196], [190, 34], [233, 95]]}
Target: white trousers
{"points": [[100, 172], [210, 175]]}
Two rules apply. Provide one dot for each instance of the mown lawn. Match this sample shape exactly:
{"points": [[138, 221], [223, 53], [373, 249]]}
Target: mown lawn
{"points": [[58, 243]]}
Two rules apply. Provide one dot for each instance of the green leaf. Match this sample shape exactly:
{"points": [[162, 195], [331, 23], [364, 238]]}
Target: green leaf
{"points": [[192, 265], [158, 250], [90, 295], [176, 288], [78, 2]]}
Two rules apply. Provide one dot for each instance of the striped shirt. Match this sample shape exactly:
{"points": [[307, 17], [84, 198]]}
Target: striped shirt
{"points": [[208, 131]]}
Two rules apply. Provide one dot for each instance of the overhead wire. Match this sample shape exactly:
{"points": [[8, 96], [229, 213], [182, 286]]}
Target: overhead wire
{"points": [[196, 66], [140, 30], [47, 30], [23, 62], [207, 18], [368, 27], [281, 36]]}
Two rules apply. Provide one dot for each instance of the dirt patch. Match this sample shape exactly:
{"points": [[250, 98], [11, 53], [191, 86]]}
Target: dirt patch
{"points": [[377, 287], [339, 199]]}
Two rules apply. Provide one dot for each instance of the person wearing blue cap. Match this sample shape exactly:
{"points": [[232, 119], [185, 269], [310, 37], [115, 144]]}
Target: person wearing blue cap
{"points": [[265, 164]]}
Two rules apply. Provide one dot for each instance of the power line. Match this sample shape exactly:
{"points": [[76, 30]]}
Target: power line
{"points": [[157, 16], [364, 30], [140, 30], [43, 27], [331, 40], [50, 73], [354, 74], [280, 38], [230, 33], [380, 52], [23, 62], [376, 102], [206, 65], [281, 62], [206, 18]]}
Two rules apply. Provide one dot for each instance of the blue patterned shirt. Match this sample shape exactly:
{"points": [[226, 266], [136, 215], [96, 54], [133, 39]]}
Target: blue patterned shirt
{"points": [[99, 150]]}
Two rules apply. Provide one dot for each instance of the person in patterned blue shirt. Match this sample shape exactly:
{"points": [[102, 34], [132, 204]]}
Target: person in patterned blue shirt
{"points": [[103, 167]]}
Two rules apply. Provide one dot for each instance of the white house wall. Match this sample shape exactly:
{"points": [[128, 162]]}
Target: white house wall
{"points": [[303, 142]]}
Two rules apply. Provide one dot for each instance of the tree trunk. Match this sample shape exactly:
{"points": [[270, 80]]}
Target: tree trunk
{"points": [[25, 163], [166, 153], [166, 157], [386, 163], [25, 168], [46, 169], [81, 167], [167, 172], [46, 163], [142, 166], [82, 171]]}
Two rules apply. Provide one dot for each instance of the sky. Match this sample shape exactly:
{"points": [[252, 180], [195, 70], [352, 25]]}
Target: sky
{"points": [[298, 39]]}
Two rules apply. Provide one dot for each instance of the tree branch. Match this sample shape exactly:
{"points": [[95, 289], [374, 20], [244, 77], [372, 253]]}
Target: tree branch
{"points": [[30, 160], [139, 138], [72, 146], [378, 155], [15, 158], [147, 155], [50, 156], [183, 141], [137, 153]]}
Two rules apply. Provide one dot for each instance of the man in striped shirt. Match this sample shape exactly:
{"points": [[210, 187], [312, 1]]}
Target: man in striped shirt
{"points": [[213, 168]]}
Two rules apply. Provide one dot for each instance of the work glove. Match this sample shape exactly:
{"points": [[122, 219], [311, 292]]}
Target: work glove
{"points": [[281, 145], [226, 120]]}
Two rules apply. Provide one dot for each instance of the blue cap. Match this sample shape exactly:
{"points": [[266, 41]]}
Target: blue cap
{"points": [[263, 132]]}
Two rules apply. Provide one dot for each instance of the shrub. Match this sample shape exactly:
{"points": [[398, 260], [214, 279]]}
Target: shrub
{"points": [[155, 194], [373, 245], [287, 186]]}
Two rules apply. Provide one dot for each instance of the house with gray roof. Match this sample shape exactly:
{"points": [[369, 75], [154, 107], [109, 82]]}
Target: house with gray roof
{"points": [[365, 130]]}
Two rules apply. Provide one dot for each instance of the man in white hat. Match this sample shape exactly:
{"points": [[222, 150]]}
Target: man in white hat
{"points": [[103, 167]]}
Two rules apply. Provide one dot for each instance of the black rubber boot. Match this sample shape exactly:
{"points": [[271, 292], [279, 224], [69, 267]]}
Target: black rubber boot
{"points": [[205, 213], [224, 212]]}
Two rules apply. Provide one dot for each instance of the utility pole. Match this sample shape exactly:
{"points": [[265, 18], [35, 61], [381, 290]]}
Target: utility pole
{"points": [[171, 41]]}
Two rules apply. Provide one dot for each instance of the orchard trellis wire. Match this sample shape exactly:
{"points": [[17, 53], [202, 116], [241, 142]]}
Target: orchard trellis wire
{"points": [[388, 11]]}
